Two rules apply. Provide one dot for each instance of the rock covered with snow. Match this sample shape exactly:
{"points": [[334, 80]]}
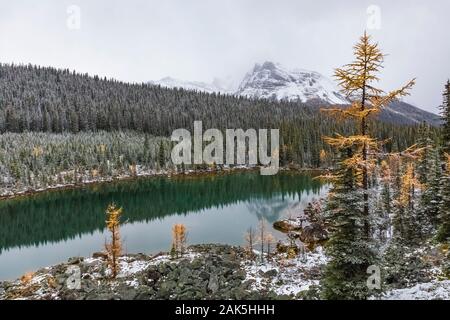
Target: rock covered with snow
{"points": [[287, 277], [205, 272]]}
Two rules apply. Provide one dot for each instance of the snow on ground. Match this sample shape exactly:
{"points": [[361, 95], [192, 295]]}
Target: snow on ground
{"points": [[129, 265], [129, 268], [435, 290], [292, 276]]}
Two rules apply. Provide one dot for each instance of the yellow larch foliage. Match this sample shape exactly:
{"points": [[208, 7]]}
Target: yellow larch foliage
{"points": [[37, 152], [323, 156], [385, 171], [27, 277], [114, 248], [409, 185], [357, 80], [179, 238], [101, 148]]}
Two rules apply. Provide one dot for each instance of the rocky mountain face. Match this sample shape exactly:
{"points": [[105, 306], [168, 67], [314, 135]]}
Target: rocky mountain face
{"points": [[400, 112], [274, 82]]}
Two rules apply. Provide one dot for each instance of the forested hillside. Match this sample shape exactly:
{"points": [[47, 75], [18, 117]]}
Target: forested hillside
{"points": [[50, 100], [73, 120]]}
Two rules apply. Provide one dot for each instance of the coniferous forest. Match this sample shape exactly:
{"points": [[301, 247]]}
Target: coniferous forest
{"points": [[72, 126], [358, 210]]}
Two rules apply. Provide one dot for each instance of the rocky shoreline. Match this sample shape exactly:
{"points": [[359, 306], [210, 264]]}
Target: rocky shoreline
{"points": [[204, 272]]}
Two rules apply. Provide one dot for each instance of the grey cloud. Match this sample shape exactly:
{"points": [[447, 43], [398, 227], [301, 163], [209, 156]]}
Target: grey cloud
{"points": [[201, 39]]}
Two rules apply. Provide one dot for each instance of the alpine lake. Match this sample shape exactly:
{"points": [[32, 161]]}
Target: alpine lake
{"points": [[49, 227]]}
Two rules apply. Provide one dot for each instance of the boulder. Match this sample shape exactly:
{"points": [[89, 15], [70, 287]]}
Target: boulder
{"points": [[213, 283], [100, 255]]}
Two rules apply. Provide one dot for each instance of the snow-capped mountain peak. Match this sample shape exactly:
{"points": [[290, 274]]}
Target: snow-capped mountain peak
{"points": [[268, 81], [273, 81]]}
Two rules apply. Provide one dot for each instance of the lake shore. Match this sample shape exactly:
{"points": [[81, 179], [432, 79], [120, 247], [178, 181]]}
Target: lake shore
{"points": [[208, 271], [9, 195], [204, 272]]}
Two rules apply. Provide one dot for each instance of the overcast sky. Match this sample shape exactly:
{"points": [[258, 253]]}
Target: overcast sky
{"points": [[142, 40]]}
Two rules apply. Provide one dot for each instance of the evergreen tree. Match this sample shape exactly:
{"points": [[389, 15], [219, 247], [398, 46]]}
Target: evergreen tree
{"points": [[161, 156], [386, 192], [406, 221], [348, 249], [350, 244], [444, 210], [445, 112], [426, 144], [431, 197], [357, 82]]}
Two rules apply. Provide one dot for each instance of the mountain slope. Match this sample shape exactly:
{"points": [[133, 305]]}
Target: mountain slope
{"points": [[399, 112], [172, 83], [272, 81]]}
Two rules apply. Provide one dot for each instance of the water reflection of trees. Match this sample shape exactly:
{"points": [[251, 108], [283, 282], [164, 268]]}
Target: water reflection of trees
{"points": [[60, 215]]}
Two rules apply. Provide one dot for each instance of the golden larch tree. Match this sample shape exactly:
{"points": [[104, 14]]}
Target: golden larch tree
{"points": [[250, 239], [113, 248], [409, 184], [357, 82], [179, 239]]}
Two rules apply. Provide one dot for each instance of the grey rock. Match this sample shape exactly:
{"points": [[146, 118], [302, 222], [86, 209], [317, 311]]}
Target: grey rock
{"points": [[100, 255], [101, 296], [239, 274], [204, 275], [126, 293], [213, 283], [144, 293], [197, 263], [75, 260], [270, 273]]}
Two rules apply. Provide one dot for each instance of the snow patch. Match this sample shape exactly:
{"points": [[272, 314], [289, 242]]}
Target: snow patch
{"points": [[435, 290], [292, 276]]}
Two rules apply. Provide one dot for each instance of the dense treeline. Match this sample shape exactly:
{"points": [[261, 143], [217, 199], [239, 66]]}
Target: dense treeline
{"points": [[50, 100], [72, 122], [41, 160]]}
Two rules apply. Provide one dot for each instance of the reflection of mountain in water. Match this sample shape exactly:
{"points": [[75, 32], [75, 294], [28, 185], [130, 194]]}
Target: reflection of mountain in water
{"points": [[269, 209], [278, 208], [60, 215]]}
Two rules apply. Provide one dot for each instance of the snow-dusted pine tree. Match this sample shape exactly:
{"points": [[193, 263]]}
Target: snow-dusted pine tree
{"points": [[357, 80], [445, 112], [431, 197], [444, 210], [348, 248]]}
